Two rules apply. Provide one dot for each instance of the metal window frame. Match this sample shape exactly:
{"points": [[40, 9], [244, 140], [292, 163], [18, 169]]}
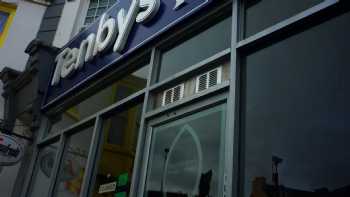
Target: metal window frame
{"points": [[239, 48], [99, 141], [145, 94], [64, 136], [95, 16], [293, 22], [32, 168], [176, 114]]}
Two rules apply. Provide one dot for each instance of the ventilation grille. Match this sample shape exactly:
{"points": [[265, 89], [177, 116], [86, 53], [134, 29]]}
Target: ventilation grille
{"points": [[173, 94], [209, 79]]}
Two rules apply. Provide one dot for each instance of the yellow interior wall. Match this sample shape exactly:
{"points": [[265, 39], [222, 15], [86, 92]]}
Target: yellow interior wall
{"points": [[11, 10], [121, 156]]}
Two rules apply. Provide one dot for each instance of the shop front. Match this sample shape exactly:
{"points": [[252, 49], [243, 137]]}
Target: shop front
{"points": [[199, 98], [122, 93]]}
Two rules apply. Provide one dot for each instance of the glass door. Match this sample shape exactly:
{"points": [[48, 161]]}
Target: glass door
{"points": [[187, 155], [117, 151]]}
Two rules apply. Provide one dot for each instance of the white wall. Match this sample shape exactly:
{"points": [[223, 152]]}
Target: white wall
{"points": [[23, 30], [72, 19]]}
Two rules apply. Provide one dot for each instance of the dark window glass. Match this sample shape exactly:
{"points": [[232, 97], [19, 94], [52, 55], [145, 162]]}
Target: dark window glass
{"points": [[196, 49], [118, 152], [115, 92], [187, 156], [261, 14], [43, 169], [72, 169], [296, 115]]}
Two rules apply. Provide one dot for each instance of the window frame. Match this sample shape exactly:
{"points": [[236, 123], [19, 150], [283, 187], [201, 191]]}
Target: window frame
{"points": [[39, 148], [94, 17], [65, 137], [145, 96], [239, 48], [9, 9], [242, 47], [177, 114], [173, 42]]}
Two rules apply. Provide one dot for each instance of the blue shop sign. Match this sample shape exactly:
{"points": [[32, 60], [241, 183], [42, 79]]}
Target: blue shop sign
{"points": [[125, 27]]}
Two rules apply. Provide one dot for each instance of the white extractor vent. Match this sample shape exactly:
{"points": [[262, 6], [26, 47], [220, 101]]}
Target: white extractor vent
{"points": [[173, 94], [209, 79]]}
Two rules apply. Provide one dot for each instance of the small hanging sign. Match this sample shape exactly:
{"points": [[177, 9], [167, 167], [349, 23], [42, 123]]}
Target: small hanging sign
{"points": [[11, 151]]}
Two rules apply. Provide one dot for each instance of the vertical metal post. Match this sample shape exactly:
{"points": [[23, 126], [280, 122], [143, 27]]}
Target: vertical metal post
{"points": [[31, 166], [229, 184], [91, 161], [136, 188], [58, 162]]}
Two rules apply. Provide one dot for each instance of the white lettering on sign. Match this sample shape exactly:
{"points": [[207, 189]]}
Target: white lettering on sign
{"points": [[149, 9], [125, 23], [105, 34], [179, 3], [109, 30], [68, 65], [110, 187], [86, 51]]}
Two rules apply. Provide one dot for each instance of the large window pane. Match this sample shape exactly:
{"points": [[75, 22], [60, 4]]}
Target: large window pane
{"points": [[196, 49], [118, 152], [72, 169], [296, 114], [43, 170], [187, 156], [115, 92], [261, 14]]}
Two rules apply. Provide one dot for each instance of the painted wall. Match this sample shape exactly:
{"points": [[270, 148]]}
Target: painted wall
{"points": [[71, 21], [23, 29]]}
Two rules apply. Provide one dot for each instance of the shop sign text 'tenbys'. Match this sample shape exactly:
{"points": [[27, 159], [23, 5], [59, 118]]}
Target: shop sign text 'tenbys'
{"points": [[125, 27]]}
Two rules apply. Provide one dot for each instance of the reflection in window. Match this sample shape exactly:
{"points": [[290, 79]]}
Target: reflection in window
{"points": [[261, 14], [100, 100], [72, 169], [43, 169], [196, 49], [296, 115], [118, 152], [186, 156]]}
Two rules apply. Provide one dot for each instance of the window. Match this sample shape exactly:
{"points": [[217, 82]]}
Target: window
{"points": [[7, 13], [186, 156], [261, 14], [115, 166], [296, 114], [73, 165], [115, 92], [43, 170], [204, 45], [96, 9]]}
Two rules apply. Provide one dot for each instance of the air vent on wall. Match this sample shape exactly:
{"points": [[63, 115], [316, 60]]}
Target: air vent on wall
{"points": [[173, 94], [209, 79]]}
